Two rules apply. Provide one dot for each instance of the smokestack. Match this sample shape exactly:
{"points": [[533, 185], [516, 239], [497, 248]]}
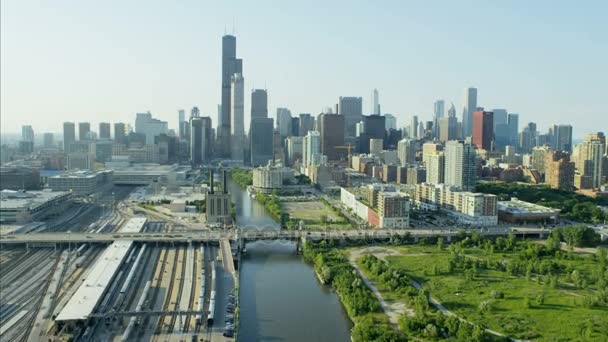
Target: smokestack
{"points": [[211, 179], [225, 183]]}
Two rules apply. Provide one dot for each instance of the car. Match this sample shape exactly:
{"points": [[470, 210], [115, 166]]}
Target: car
{"points": [[228, 333]]}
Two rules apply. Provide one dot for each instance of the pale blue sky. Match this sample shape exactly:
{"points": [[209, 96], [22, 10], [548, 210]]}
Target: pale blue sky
{"points": [[106, 60]]}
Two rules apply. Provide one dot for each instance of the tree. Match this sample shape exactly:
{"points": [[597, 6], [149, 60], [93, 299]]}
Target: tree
{"points": [[440, 243], [484, 307]]}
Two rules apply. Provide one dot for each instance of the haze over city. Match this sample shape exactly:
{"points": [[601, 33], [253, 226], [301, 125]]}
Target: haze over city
{"points": [[343, 171], [71, 61]]}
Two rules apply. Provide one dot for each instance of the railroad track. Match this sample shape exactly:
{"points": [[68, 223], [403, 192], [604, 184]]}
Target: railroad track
{"points": [[8, 277], [163, 319], [188, 325], [207, 260], [181, 271]]}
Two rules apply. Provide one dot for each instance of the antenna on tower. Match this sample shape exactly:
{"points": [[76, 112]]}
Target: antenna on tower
{"points": [[225, 29], [233, 27]]}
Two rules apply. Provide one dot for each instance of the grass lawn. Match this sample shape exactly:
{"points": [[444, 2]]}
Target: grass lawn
{"points": [[561, 315]]}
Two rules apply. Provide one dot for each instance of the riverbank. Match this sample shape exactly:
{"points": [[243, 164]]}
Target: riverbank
{"points": [[362, 308]]}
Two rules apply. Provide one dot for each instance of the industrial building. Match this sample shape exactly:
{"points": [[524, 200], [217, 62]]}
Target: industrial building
{"points": [[24, 207], [82, 183]]}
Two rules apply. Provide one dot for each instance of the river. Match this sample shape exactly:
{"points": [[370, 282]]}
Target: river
{"points": [[280, 297]]}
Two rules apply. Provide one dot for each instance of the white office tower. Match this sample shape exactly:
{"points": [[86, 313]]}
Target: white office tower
{"points": [[470, 106], [284, 121], [413, 130], [311, 147], [150, 127], [390, 121], [406, 152], [460, 165], [375, 102], [237, 116]]}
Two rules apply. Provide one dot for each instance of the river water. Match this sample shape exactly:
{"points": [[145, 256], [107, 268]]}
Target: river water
{"points": [[280, 297]]}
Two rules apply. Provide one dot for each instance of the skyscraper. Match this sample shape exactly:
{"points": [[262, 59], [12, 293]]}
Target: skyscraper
{"points": [[390, 122], [559, 170], [352, 109], [149, 126], [48, 140], [259, 104], [406, 152], [414, 127], [307, 124], [483, 130], [590, 157], [284, 122], [562, 137], [435, 167], [261, 141], [375, 102], [230, 66], [237, 116], [374, 127], [332, 128], [460, 164], [311, 148], [120, 133], [181, 123], [513, 124], [27, 133], [438, 109], [69, 135], [84, 128], [200, 140], [470, 106], [104, 130]]}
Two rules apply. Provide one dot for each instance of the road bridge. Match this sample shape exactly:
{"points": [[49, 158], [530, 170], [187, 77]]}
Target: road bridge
{"points": [[249, 235]]}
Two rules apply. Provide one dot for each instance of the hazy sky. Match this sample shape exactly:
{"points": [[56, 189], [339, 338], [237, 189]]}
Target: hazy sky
{"points": [[106, 60]]}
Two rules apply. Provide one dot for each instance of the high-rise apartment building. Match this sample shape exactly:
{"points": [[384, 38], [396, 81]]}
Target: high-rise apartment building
{"points": [[230, 66], [48, 140], [413, 133], [589, 160], [261, 145], [69, 135], [352, 109], [460, 165], [104, 131], [27, 133], [483, 130], [513, 126], [259, 103], [84, 130], [237, 116], [559, 170], [435, 167], [470, 106]]}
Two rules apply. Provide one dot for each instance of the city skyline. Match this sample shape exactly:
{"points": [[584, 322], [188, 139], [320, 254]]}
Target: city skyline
{"points": [[106, 95]]}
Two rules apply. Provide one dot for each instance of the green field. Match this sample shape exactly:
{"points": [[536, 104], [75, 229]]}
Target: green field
{"points": [[481, 288]]}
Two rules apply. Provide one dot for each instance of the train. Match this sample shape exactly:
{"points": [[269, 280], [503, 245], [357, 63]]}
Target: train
{"points": [[211, 314], [201, 297]]}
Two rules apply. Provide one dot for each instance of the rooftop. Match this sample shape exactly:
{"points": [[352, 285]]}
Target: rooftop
{"points": [[81, 174], [516, 206], [10, 199], [89, 294]]}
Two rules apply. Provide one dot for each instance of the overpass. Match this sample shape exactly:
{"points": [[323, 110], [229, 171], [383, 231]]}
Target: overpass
{"points": [[249, 235]]}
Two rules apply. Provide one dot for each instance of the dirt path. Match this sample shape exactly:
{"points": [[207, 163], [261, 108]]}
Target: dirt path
{"points": [[394, 309]]}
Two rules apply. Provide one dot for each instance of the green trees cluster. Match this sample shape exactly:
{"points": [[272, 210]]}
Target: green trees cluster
{"points": [[272, 203], [573, 206], [201, 205], [242, 177], [577, 236], [334, 269]]}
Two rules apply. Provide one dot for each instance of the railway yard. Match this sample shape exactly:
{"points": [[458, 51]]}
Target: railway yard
{"points": [[126, 291]]}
